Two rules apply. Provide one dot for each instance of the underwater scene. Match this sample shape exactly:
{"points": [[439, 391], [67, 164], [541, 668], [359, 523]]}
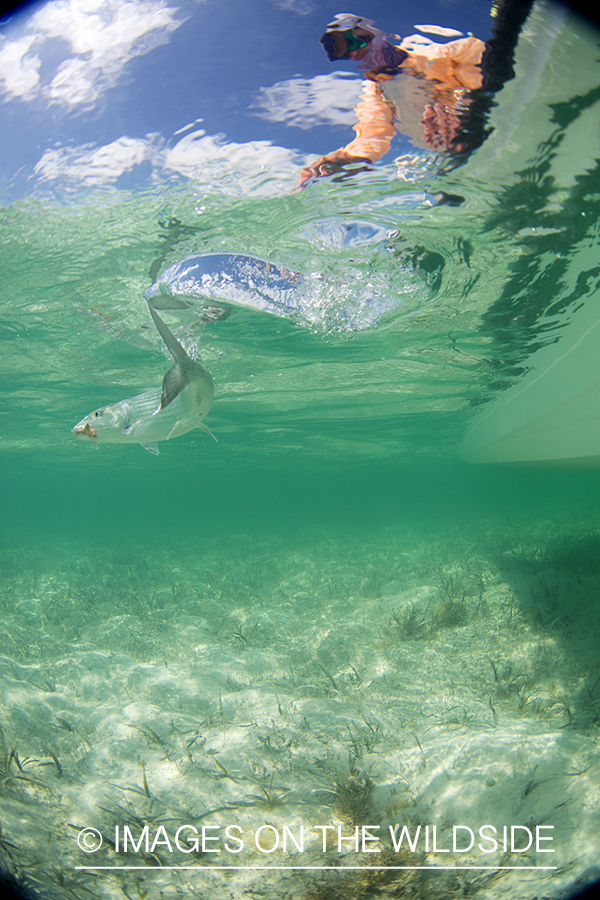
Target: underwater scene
{"points": [[300, 450]]}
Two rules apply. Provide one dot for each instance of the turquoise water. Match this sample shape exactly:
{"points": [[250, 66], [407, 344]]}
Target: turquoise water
{"points": [[327, 616]]}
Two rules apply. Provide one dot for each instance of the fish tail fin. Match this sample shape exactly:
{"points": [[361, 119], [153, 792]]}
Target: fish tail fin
{"points": [[173, 345]]}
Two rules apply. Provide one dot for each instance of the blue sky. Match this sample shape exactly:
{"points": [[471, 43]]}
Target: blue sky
{"points": [[95, 92]]}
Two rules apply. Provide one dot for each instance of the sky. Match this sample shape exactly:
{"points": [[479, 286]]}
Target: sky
{"points": [[96, 93]]}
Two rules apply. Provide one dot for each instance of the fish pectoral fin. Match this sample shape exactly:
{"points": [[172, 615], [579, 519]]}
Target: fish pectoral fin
{"points": [[183, 426], [128, 424], [151, 447], [179, 428], [174, 382], [206, 430]]}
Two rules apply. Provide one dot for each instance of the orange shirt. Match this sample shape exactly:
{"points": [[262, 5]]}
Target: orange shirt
{"points": [[442, 72]]}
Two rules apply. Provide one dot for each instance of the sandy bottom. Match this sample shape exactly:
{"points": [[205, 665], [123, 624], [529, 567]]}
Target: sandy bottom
{"points": [[263, 691]]}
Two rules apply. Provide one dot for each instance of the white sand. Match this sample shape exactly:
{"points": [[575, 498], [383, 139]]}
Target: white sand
{"points": [[429, 681]]}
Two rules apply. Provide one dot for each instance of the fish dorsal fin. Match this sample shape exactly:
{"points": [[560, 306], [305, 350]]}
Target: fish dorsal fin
{"points": [[176, 379]]}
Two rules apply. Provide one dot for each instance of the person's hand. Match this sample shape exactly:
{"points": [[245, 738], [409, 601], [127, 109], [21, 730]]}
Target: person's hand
{"points": [[334, 165]]}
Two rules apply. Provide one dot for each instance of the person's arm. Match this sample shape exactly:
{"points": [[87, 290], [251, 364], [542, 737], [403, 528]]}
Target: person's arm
{"points": [[374, 132]]}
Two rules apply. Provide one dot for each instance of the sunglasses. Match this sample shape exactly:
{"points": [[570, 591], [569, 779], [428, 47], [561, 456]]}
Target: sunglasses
{"points": [[356, 42], [332, 43]]}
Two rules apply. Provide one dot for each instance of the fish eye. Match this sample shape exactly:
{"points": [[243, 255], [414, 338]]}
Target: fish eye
{"points": [[97, 413]]}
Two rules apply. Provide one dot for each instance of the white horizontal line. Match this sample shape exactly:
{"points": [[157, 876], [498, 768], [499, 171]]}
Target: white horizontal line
{"points": [[317, 868]]}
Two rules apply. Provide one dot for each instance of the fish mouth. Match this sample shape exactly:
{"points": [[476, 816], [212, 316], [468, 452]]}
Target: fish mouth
{"points": [[86, 430]]}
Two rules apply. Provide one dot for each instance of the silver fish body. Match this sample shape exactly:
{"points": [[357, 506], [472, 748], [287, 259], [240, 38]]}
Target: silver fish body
{"points": [[159, 414]]}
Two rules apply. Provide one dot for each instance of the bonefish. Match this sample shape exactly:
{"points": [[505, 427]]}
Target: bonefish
{"points": [[160, 414]]}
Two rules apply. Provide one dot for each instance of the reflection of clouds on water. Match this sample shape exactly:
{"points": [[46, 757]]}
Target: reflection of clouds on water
{"points": [[19, 69], [301, 7], [306, 102], [224, 165], [103, 38], [198, 152], [89, 166]]}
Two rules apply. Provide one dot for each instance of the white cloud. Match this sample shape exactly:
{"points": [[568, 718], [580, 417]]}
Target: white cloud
{"points": [[19, 69], [89, 166], [196, 150], [257, 167], [300, 7], [306, 102], [103, 37]]}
